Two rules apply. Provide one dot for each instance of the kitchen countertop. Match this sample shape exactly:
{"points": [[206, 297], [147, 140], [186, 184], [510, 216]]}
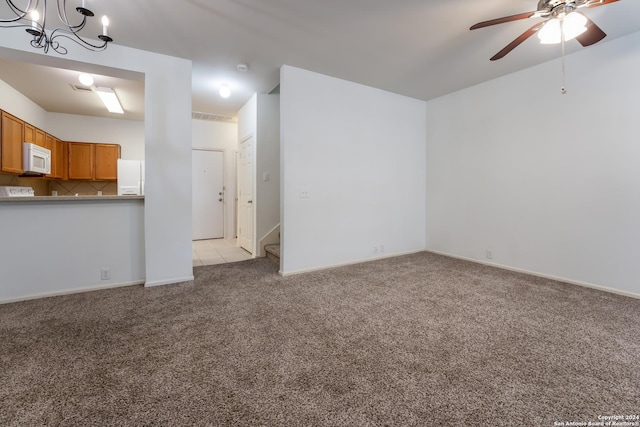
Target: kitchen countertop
{"points": [[68, 198]]}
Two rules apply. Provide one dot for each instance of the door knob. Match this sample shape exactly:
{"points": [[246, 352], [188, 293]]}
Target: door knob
{"points": [[249, 201]]}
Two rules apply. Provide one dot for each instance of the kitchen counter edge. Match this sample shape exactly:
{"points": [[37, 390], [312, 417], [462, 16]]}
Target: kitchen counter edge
{"points": [[68, 198]]}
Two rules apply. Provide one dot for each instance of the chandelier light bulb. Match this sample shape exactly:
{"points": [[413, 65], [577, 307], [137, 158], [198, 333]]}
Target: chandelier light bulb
{"points": [[35, 17], [105, 25], [224, 91]]}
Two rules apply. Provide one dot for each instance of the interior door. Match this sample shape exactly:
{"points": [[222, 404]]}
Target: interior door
{"points": [[208, 194], [245, 193]]}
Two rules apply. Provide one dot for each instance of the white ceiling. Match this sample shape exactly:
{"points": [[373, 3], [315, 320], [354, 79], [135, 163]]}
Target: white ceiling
{"points": [[418, 48]]}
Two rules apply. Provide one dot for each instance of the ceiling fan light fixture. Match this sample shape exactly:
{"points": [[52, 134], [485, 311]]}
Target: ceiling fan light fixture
{"points": [[573, 25]]}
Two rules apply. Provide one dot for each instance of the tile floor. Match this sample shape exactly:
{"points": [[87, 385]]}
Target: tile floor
{"points": [[217, 251]]}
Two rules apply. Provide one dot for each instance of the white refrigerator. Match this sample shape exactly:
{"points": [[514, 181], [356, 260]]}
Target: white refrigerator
{"points": [[130, 177]]}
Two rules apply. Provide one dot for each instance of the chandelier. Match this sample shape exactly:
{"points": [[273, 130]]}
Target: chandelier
{"points": [[33, 15]]}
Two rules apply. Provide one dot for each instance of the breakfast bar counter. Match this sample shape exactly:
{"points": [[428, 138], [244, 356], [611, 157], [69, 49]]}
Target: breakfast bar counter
{"points": [[68, 198]]}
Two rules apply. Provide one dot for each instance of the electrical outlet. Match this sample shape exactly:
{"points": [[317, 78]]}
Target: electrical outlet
{"points": [[489, 254], [105, 273], [381, 248], [375, 249], [304, 193]]}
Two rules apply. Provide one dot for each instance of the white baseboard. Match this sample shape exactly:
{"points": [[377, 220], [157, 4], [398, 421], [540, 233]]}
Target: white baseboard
{"points": [[71, 291], [168, 281], [542, 275], [342, 264]]}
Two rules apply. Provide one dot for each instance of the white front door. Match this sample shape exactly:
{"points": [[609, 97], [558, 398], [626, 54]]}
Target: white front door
{"points": [[245, 193], [208, 194]]}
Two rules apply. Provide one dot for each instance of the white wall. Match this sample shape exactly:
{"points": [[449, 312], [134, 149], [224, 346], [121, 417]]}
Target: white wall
{"points": [[248, 118], [209, 135], [167, 211], [267, 162], [549, 182], [15, 103], [61, 246], [360, 154]]}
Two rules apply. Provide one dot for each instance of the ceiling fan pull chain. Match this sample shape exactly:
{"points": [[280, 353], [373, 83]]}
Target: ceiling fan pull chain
{"points": [[564, 90]]}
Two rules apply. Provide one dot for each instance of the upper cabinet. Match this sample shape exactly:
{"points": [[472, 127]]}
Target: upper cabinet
{"points": [[81, 160], [107, 156], [69, 160], [89, 161], [11, 143], [34, 135], [60, 159]]}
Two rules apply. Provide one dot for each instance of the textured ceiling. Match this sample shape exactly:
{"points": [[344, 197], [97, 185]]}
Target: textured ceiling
{"points": [[421, 49]]}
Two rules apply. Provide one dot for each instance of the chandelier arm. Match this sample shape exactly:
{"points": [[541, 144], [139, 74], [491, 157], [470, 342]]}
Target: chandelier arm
{"points": [[20, 14], [76, 39], [62, 12], [41, 38], [62, 15]]}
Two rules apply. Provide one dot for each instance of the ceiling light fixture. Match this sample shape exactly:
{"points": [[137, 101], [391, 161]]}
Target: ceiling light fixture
{"points": [[571, 25], [110, 100], [45, 39], [85, 79], [224, 91], [243, 68]]}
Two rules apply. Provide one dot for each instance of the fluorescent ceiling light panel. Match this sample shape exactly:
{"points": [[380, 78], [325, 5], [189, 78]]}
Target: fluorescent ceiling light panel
{"points": [[110, 100]]}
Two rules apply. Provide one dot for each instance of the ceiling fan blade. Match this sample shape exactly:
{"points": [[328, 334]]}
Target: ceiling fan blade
{"points": [[508, 48], [503, 20], [597, 3], [593, 34]]}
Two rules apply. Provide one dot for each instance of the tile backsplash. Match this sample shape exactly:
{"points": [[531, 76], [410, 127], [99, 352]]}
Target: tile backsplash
{"points": [[83, 188], [40, 186], [44, 187]]}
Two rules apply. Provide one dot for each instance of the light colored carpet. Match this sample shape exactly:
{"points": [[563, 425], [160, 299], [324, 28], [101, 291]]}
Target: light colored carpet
{"points": [[415, 340]]}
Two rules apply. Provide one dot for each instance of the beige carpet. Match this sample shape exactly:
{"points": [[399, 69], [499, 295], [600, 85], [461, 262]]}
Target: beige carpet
{"points": [[419, 340]]}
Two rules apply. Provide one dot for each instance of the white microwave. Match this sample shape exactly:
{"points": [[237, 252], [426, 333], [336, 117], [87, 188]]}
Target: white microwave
{"points": [[37, 160]]}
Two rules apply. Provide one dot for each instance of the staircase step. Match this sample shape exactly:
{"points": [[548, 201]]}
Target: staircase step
{"points": [[273, 252]]}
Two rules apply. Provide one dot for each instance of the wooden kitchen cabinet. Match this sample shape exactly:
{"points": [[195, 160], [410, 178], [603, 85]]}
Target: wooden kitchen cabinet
{"points": [[12, 130], [34, 135], [107, 156], [81, 160], [60, 159], [93, 161], [49, 145]]}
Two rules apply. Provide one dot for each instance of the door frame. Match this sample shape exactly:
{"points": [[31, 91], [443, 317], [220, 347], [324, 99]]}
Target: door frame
{"points": [[224, 185], [253, 190]]}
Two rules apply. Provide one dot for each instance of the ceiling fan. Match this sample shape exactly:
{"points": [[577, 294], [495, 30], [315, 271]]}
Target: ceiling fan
{"points": [[562, 23]]}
